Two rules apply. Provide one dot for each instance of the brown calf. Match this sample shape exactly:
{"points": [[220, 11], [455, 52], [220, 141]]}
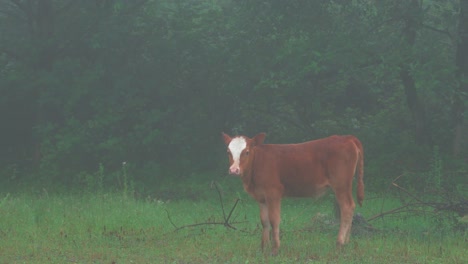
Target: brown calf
{"points": [[271, 171]]}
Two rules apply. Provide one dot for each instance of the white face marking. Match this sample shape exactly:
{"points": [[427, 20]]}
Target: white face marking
{"points": [[236, 147]]}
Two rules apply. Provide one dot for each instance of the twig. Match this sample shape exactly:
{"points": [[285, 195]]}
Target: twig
{"points": [[387, 212], [225, 223], [460, 207], [408, 193], [400, 210], [226, 220], [170, 220], [209, 223], [220, 197]]}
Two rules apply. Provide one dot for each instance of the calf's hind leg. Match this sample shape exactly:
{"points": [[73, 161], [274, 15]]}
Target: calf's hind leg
{"points": [[347, 205]]}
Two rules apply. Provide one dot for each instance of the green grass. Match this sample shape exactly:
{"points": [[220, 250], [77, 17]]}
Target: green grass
{"points": [[114, 228]]}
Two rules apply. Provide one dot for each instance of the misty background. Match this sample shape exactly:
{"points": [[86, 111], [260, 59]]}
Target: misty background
{"points": [[144, 88]]}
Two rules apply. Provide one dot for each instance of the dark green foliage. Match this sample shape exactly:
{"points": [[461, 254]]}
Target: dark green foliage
{"points": [[90, 85]]}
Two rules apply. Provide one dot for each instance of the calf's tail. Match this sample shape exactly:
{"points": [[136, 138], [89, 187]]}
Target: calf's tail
{"points": [[360, 173]]}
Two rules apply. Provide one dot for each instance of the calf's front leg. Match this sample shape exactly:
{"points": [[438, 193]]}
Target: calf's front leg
{"points": [[265, 224], [274, 211]]}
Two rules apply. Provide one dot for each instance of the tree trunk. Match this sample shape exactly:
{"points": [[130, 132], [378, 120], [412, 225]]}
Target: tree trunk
{"points": [[422, 132], [42, 38], [462, 66]]}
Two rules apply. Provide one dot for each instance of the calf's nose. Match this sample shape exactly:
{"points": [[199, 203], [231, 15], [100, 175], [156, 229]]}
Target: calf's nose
{"points": [[234, 170]]}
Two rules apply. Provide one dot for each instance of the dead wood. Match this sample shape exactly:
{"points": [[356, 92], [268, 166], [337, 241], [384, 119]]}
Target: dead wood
{"points": [[418, 205], [226, 218]]}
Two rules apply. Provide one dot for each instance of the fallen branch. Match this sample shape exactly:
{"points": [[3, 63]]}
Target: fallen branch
{"points": [[396, 210], [407, 192], [460, 207], [226, 219], [403, 209]]}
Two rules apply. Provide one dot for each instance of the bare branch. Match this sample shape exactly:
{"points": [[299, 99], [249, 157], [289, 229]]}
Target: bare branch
{"points": [[225, 223], [441, 31], [220, 198], [66, 7], [393, 211], [136, 5], [226, 220], [170, 220], [408, 193], [460, 207]]}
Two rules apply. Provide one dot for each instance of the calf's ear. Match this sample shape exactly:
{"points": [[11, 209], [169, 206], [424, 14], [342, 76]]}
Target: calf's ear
{"points": [[227, 139], [258, 139]]}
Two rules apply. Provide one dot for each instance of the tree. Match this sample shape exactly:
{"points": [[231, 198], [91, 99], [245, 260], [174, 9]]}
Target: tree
{"points": [[152, 83], [412, 15], [460, 96]]}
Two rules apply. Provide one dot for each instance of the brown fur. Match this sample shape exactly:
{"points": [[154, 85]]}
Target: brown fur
{"points": [[271, 171]]}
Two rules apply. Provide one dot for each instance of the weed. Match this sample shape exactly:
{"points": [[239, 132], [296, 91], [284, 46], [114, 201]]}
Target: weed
{"points": [[436, 171], [127, 183], [4, 199]]}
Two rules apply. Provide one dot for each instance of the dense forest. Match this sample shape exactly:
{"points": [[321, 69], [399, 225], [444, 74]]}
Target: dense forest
{"points": [[145, 87]]}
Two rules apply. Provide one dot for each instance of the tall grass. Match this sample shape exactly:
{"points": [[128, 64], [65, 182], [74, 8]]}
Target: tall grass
{"points": [[119, 228]]}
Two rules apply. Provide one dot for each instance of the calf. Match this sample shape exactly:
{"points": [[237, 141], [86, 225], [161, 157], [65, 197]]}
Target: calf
{"points": [[271, 171]]}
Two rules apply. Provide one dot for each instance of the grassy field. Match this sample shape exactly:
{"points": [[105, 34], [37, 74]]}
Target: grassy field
{"points": [[119, 228]]}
